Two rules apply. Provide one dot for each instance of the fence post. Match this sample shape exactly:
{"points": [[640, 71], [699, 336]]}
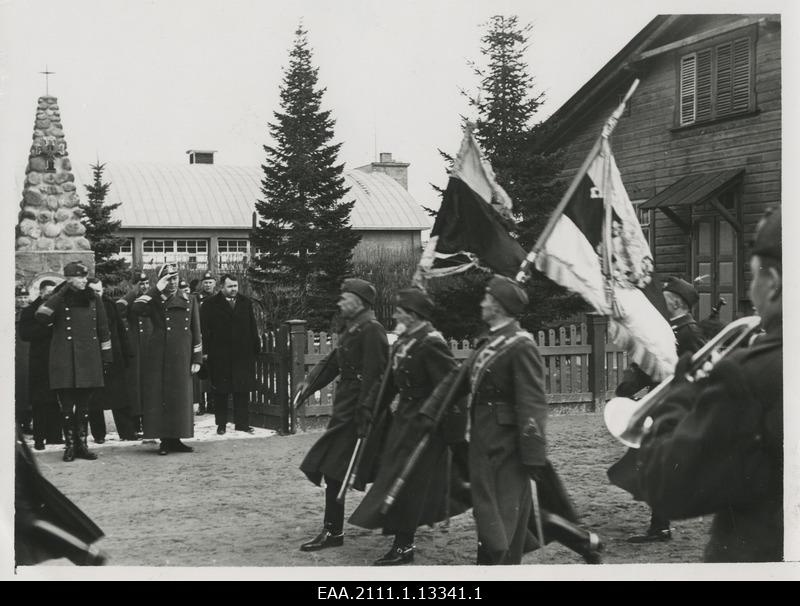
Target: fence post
{"points": [[297, 367], [597, 325]]}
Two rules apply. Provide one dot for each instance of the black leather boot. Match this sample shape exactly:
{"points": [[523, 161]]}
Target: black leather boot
{"points": [[81, 447], [323, 540], [398, 554], [69, 440]]}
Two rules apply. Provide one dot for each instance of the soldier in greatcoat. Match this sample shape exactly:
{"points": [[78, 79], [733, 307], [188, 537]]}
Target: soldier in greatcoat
{"points": [[716, 442], [79, 349], [114, 394], [680, 297], [46, 414], [230, 345], [139, 329], [174, 352], [358, 360], [419, 361], [202, 386]]}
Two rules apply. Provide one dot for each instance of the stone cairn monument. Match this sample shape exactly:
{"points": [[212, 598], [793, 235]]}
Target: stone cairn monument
{"points": [[49, 233]]}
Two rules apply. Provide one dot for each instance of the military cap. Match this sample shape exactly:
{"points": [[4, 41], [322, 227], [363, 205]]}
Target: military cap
{"points": [[413, 299], [508, 293], [208, 276], [361, 288], [683, 289], [75, 269], [183, 284], [767, 241], [140, 277], [168, 269]]}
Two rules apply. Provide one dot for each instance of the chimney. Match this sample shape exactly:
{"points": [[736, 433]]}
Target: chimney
{"points": [[396, 170], [201, 156]]}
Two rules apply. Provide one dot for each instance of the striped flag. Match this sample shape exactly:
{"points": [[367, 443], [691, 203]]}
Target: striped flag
{"points": [[597, 250], [473, 222]]}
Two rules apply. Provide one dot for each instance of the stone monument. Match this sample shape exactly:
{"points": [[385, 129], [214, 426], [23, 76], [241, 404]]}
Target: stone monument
{"points": [[49, 233]]}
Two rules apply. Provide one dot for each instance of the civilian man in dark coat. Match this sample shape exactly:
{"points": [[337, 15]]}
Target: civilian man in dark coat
{"points": [[230, 346], [46, 414], [174, 352], [79, 349], [139, 329], [420, 359], [114, 394], [358, 360], [716, 444], [680, 297], [201, 387]]}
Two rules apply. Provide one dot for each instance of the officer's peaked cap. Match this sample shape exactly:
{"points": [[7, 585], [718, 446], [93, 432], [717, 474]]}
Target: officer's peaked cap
{"points": [[508, 293], [361, 288], [683, 289], [75, 269], [168, 269]]}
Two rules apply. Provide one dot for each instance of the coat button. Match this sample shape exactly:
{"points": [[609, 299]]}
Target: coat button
{"points": [[69, 338], [69, 327], [168, 328], [67, 318]]}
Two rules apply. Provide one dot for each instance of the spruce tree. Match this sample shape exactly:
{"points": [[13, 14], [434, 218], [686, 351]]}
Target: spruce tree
{"points": [[506, 107], [303, 239], [100, 229]]}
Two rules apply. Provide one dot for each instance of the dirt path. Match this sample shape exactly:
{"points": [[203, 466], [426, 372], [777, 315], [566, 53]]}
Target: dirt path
{"points": [[244, 502]]}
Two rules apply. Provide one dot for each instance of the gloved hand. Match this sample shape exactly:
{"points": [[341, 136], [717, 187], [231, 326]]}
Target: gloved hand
{"points": [[161, 285], [194, 368], [363, 420], [536, 472], [683, 366]]}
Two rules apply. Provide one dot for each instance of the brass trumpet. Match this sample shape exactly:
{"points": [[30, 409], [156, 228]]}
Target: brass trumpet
{"points": [[629, 420]]}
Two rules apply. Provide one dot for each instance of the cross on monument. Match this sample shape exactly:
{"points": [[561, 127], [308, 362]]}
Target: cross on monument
{"points": [[47, 80]]}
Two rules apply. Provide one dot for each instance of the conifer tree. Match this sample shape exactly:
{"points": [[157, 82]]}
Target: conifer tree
{"points": [[303, 239], [100, 229]]}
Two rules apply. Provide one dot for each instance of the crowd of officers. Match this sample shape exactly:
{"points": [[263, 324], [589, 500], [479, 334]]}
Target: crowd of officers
{"points": [[434, 438], [139, 356]]}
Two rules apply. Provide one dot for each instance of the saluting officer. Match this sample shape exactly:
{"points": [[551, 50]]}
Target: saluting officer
{"points": [[174, 352], [358, 360], [419, 361], [79, 349], [139, 328], [716, 443]]}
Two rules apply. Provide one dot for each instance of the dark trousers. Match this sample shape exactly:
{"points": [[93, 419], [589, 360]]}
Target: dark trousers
{"points": [[334, 511], [658, 522], [46, 420], [74, 401], [97, 424], [126, 424], [240, 415]]}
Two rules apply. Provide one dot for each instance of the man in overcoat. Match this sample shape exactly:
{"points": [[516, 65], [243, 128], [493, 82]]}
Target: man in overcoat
{"points": [[79, 349], [174, 352], [420, 359], [716, 443], [202, 387], [114, 394], [358, 360], [230, 345], [680, 297], [507, 440], [139, 328], [46, 414]]}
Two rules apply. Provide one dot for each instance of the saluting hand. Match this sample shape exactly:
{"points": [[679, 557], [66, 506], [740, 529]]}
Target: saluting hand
{"points": [[161, 285], [195, 368]]}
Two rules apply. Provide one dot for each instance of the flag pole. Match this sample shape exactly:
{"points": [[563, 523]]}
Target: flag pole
{"points": [[524, 269]]}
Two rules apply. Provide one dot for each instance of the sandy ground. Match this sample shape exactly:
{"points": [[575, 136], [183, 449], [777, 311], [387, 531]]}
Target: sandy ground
{"points": [[240, 501]]}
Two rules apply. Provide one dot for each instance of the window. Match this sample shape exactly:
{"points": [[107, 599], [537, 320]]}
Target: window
{"points": [[191, 254], [716, 82], [645, 217], [126, 251], [233, 253]]}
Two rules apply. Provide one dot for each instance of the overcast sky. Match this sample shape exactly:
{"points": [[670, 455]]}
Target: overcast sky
{"points": [[147, 80]]}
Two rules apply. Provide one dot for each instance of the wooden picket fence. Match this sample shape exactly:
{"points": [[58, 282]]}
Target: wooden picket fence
{"points": [[581, 371]]}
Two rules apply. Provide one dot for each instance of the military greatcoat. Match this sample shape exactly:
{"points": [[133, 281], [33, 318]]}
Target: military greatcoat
{"points": [[173, 347], [419, 362], [358, 360], [139, 330]]}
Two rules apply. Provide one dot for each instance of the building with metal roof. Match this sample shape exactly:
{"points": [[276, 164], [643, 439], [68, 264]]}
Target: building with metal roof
{"points": [[200, 214]]}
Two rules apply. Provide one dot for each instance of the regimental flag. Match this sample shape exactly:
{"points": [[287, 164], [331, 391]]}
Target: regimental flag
{"points": [[597, 250], [473, 222]]}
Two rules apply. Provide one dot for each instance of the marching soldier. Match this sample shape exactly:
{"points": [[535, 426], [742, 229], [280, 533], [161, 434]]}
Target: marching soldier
{"points": [[200, 386], [507, 445], [139, 328], [174, 352], [680, 297], [420, 360], [716, 443], [80, 348], [358, 360]]}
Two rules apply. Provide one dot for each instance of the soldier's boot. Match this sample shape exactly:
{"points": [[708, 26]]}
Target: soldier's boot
{"points": [[69, 440], [81, 447], [586, 544]]}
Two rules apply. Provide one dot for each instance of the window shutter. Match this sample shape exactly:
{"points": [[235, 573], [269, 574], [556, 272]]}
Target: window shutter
{"points": [[724, 79], [741, 75], [704, 79], [688, 84]]}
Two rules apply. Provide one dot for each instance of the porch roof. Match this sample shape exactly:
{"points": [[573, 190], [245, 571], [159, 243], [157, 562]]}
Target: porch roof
{"points": [[694, 189]]}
